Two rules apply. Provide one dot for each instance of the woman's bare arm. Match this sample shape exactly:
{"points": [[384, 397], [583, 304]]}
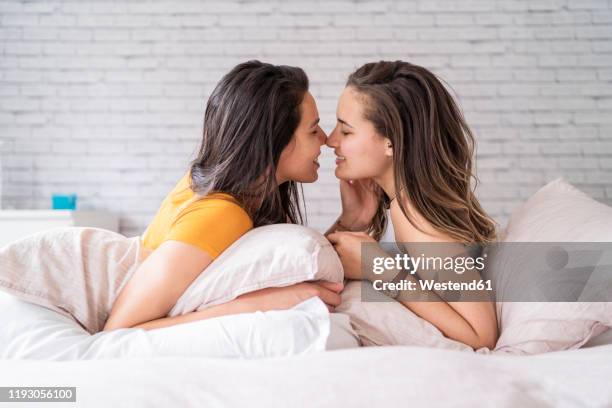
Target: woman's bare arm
{"points": [[359, 206], [261, 300], [157, 284], [472, 323], [163, 277], [229, 308]]}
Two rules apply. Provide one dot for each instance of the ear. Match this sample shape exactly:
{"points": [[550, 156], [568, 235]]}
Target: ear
{"points": [[388, 148]]}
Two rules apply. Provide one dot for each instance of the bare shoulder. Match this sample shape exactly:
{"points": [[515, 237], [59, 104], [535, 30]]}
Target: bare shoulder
{"points": [[420, 230]]}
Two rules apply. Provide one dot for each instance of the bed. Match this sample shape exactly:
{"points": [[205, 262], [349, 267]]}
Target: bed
{"points": [[165, 373], [366, 354], [362, 377]]}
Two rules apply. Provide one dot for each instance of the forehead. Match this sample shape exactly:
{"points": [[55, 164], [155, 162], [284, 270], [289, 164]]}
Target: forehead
{"points": [[350, 104], [309, 105]]}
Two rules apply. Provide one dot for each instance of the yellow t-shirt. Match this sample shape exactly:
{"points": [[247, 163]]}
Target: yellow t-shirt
{"points": [[211, 223]]}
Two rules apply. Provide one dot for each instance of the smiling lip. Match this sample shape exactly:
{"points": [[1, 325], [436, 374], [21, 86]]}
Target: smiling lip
{"points": [[340, 159]]}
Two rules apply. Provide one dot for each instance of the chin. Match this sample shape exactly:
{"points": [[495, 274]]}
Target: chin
{"points": [[307, 179], [312, 178], [341, 175]]}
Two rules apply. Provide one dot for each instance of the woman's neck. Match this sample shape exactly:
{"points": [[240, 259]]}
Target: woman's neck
{"points": [[387, 183]]}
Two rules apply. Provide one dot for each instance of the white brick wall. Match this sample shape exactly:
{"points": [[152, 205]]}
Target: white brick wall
{"points": [[105, 99]]}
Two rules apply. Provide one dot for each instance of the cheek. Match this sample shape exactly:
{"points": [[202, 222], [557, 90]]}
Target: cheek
{"points": [[304, 152], [284, 161], [309, 148], [302, 167], [355, 148], [365, 158]]}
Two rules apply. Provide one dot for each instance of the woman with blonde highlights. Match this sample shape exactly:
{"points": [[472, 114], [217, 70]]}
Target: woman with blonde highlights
{"points": [[402, 144]]}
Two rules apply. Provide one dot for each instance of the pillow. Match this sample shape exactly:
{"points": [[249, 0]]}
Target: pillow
{"points": [[29, 331], [558, 212], [341, 333], [603, 339], [389, 323], [270, 256], [79, 271]]}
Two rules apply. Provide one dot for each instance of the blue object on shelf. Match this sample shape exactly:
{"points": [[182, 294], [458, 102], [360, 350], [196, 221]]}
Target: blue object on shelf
{"points": [[64, 202]]}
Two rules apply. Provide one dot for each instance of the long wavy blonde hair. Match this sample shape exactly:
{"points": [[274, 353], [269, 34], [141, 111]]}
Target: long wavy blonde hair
{"points": [[432, 149]]}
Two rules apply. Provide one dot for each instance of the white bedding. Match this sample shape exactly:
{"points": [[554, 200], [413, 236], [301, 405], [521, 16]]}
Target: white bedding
{"points": [[364, 377], [368, 376], [29, 331]]}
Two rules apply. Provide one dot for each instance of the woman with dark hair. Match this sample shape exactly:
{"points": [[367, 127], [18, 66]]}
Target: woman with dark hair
{"points": [[402, 144], [261, 137]]}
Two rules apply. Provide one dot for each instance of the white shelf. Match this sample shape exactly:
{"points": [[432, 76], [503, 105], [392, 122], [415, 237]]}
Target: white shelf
{"points": [[16, 224]]}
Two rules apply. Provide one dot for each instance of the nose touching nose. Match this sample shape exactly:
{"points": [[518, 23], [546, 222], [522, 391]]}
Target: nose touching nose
{"points": [[326, 139], [330, 139], [323, 137]]}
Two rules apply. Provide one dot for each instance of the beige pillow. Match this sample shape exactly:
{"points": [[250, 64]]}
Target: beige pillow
{"points": [[389, 323], [558, 212], [79, 271]]}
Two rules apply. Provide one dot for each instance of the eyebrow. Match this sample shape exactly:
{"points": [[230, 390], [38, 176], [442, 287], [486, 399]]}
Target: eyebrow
{"points": [[344, 122], [315, 122]]}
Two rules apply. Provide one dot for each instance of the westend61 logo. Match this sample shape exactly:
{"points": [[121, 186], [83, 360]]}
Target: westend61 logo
{"points": [[510, 272]]}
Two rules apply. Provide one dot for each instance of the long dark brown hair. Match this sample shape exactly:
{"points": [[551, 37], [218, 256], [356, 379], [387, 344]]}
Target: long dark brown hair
{"points": [[250, 117], [432, 149]]}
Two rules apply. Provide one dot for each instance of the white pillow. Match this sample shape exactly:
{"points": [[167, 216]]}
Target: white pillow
{"points": [[272, 256], [29, 331], [79, 272], [558, 212]]}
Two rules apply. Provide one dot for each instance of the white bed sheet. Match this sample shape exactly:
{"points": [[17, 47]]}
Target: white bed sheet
{"points": [[29, 331], [364, 377]]}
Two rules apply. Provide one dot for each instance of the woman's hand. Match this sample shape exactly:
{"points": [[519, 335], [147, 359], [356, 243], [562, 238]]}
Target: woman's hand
{"points": [[359, 203], [290, 296], [348, 246]]}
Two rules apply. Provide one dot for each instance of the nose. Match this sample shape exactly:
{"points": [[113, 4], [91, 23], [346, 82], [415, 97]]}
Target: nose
{"points": [[331, 139], [322, 137]]}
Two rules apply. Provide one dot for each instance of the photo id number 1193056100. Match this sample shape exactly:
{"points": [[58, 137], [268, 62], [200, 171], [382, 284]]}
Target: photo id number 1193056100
{"points": [[37, 394]]}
